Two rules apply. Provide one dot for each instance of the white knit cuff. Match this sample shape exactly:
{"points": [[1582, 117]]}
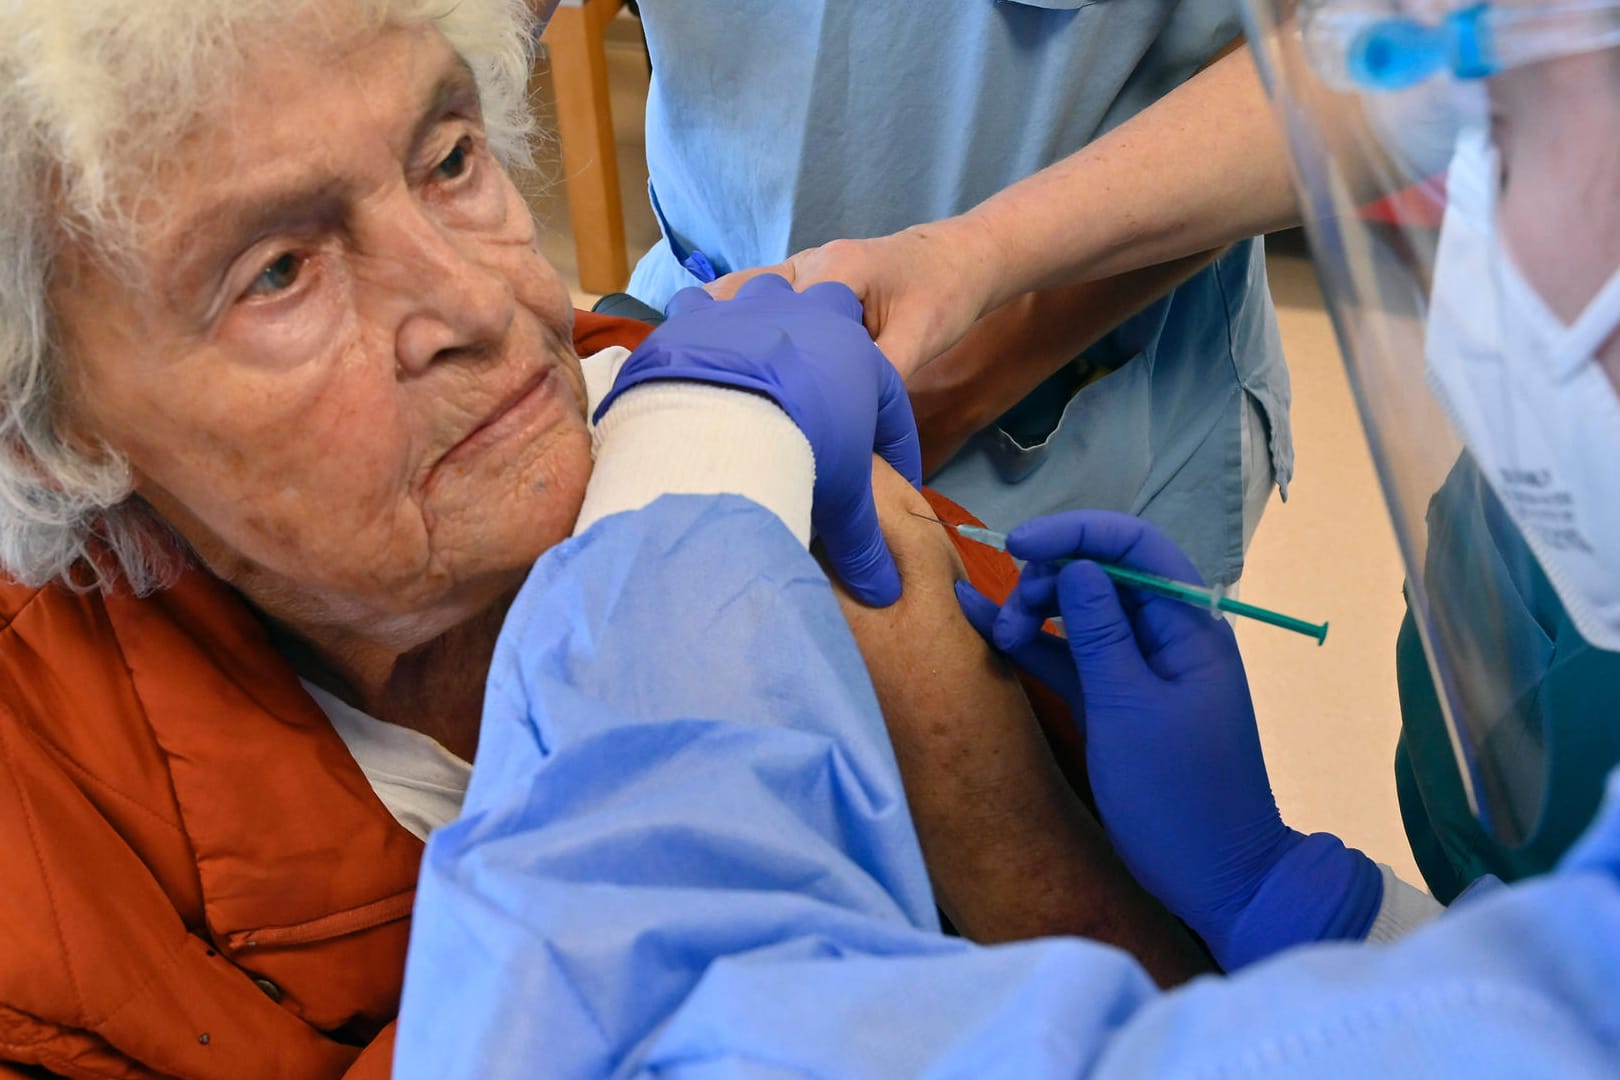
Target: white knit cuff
{"points": [[678, 437], [1404, 909]]}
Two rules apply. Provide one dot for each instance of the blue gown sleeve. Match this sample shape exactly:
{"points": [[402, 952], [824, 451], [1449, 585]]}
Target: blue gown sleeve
{"points": [[685, 852]]}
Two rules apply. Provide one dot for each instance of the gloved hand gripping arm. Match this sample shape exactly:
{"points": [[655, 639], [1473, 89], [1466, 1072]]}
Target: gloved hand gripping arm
{"points": [[1171, 743], [810, 354]]}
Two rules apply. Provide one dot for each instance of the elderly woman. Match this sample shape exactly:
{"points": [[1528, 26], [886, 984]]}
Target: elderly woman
{"points": [[291, 404]]}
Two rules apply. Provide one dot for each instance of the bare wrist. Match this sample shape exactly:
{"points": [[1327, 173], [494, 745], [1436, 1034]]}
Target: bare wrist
{"points": [[982, 254]]}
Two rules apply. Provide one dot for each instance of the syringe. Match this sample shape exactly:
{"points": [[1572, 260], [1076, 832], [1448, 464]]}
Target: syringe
{"points": [[1214, 600]]}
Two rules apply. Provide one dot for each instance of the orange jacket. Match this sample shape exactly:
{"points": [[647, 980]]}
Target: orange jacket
{"points": [[198, 880]]}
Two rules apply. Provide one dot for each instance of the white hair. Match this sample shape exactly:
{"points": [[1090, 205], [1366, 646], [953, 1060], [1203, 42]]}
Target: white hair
{"points": [[91, 93]]}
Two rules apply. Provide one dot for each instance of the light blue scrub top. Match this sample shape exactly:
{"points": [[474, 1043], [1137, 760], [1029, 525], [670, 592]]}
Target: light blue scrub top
{"points": [[686, 852], [773, 127]]}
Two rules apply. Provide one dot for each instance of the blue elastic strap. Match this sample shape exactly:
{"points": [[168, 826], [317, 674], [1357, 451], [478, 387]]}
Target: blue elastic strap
{"points": [[1472, 56], [1398, 53]]}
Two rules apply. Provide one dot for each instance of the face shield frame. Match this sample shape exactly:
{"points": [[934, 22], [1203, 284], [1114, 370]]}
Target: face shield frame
{"points": [[1374, 130]]}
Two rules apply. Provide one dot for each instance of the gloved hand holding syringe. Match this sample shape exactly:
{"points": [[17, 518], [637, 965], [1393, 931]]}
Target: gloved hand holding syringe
{"points": [[1157, 689]]}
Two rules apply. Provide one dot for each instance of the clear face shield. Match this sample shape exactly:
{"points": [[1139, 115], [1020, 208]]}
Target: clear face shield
{"points": [[1459, 169]]}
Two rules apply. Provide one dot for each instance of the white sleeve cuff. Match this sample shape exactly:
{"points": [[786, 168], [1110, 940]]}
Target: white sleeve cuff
{"points": [[1404, 909], [690, 438]]}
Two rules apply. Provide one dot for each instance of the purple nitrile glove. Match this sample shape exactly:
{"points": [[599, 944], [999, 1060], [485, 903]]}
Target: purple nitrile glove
{"points": [[810, 353]]}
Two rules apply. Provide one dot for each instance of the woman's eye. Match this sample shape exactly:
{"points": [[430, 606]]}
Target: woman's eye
{"points": [[455, 162], [278, 276]]}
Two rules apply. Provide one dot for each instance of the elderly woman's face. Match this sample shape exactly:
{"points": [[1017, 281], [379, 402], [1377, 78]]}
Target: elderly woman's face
{"points": [[352, 387]]}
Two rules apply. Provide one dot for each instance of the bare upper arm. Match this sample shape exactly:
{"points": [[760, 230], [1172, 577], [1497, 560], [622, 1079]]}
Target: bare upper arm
{"points": [[929, 567], [1011, 850], [975, 765]]}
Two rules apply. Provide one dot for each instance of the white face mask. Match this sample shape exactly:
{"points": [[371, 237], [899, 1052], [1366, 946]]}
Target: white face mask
{"points": [[1527, 395]]}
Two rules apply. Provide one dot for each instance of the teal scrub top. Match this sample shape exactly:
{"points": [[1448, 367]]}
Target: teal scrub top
{"points": [[1562, 725], [773, 127]]}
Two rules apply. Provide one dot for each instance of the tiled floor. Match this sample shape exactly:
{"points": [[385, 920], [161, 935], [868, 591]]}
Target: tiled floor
{"points": [[1328, 716]]}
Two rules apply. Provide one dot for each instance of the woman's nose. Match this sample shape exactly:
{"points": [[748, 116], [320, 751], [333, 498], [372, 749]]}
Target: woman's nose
{"points": [[452, 302]]}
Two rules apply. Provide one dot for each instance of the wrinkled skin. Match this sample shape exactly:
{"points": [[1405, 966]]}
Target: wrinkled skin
{"points": [[364, 410]]}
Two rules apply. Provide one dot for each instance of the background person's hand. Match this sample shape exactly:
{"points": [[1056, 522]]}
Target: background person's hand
{"points": [[1171, 745], [921, 289], [808, 352]]}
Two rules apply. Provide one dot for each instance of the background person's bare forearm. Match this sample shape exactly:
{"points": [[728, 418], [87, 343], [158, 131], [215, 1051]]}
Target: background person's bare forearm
{"points": [[1203, 167], [1012, 852], [1010, 351]]}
